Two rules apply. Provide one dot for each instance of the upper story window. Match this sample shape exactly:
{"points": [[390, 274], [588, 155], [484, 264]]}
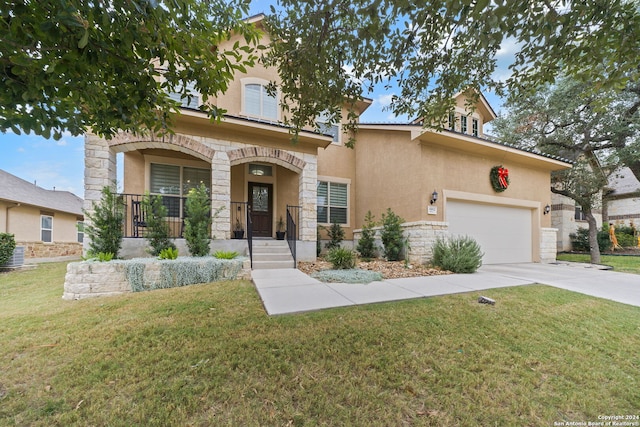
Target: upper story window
{"points": [[463, 124], [474, 127], [579, 214], [325, 126], [452, 121], [192, 101], [256, 101]]}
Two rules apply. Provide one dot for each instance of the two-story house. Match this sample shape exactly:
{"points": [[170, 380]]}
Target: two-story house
{"points": [[438, 182]]}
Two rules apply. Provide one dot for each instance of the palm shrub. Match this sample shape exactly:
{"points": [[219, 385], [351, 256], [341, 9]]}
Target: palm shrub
{"points": [[197, 221], [105, 223], [7, 246], [366, 245], [391, 235], [336, 235], [341, 258], [157, 227], [459, 254]]}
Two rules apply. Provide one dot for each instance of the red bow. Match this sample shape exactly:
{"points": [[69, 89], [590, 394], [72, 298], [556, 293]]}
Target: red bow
{"points": [[503, 175]]}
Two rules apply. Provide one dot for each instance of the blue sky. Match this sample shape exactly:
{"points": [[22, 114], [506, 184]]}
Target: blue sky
{"points": [[60, 164]]}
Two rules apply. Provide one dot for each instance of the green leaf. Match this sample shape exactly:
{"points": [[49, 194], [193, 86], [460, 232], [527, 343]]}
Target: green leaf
{"points": [[84, 40]]}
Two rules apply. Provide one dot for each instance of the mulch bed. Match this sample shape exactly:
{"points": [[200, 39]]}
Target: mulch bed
{"points": [[388, 269]]}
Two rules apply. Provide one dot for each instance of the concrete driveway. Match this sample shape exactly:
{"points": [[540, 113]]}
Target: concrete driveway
{"points": [[289, 291]]}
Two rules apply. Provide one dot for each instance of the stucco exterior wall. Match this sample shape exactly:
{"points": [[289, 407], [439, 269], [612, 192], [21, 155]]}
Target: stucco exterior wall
{"points": [[24, 223]]}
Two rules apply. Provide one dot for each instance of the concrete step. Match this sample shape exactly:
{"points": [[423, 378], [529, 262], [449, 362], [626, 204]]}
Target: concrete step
{"points": [[264, 265], [271, 254]]}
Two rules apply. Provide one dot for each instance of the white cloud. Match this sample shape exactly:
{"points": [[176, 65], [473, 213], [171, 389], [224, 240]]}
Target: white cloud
{"points": [[384, 100], [61, 143]]}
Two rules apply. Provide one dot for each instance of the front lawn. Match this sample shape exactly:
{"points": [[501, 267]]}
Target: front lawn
{"points": [[621, 263], [207, 355]]}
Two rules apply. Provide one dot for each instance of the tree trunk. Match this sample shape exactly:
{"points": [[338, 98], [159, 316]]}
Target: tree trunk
{"points": [[594, 248]]}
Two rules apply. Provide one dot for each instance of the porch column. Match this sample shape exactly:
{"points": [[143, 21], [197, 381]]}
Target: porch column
{"points": [[221, 195], [99, 172], [308, 195]]}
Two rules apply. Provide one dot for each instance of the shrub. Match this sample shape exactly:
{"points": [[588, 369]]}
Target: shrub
{"points": [[226, 254], [7, 246], [391, 235], [336, 235], [318, 242], [342, 258], [197, 222], [457, 254], [367, 244], [626, 240], [105, 223], [580, 240], [157, 227], [100, 256], [168, 253]]}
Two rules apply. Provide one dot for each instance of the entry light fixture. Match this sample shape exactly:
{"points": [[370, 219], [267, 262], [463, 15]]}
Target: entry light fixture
{"points": [[434, 197], [547, 209]]}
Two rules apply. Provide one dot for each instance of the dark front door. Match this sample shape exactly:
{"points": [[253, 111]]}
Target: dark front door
{"points": [[260, 200]]}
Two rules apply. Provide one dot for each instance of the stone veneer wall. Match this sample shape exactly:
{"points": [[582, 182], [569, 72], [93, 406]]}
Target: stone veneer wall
{"points": [[422, 235], [548, 245], [50, 250]]}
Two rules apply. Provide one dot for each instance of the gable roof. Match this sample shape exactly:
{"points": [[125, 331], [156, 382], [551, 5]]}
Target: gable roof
{"points": [[18, 190]]}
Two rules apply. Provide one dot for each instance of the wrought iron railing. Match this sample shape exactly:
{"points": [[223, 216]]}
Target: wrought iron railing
{"points": [[135, 217], [250, 234], [293, 218]]}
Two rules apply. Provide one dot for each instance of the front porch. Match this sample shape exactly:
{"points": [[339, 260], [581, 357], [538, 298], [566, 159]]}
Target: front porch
{"points": [[253, 188]]}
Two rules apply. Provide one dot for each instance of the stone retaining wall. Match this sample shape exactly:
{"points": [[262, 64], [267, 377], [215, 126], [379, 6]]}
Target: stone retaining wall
{"points": [[88, 279]]}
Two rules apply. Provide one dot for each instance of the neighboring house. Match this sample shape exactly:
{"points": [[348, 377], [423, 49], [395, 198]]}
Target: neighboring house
{"points": [[47, 223], [567, 218], [623, 199], [247, 160]]}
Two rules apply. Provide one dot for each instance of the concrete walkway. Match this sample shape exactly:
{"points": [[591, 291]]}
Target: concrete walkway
{"points": [[291, 291]]}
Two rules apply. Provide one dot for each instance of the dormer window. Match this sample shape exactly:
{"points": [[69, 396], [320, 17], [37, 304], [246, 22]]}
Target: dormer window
{"points": [[256, 101], [463, 124], [474, 127], [452, 121]]}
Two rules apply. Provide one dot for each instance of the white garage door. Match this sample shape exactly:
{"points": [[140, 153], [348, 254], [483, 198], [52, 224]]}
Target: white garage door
{"points": [[504, 233]]}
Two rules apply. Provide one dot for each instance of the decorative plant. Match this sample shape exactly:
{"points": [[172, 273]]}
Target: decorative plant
{"points": [[318, 242], [157, 227], [100, 256], [341, 258], [336, 235], [280, 224], [226, 254], [104, 227], [457, 254], [168, 253], [238, 226], [7, 246], [391, 235], [366, 244], [198, 221]]}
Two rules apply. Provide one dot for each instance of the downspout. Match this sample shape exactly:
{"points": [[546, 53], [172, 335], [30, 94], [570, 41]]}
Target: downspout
{"points": [[6, 218]]}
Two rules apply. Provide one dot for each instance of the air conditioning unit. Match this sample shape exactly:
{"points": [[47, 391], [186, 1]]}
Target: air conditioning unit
{"points": [[17, 259]]}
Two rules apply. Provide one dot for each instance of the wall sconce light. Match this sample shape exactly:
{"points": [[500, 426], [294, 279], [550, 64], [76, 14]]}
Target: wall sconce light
{"points": [[547, 209], [434, 197]]}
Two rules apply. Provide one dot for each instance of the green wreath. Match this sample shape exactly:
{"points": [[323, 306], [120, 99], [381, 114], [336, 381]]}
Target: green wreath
{"points": [[499, 178]]}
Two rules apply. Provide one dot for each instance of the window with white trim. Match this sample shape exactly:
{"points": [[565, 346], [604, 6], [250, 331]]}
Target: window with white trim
{"points": [[463, 124], [256, 100], [333, 202], [579, 214], [80, 228], [327, 127], [452, 121], [190, 101], [46, 228], [173, 182], [474, 127]]}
